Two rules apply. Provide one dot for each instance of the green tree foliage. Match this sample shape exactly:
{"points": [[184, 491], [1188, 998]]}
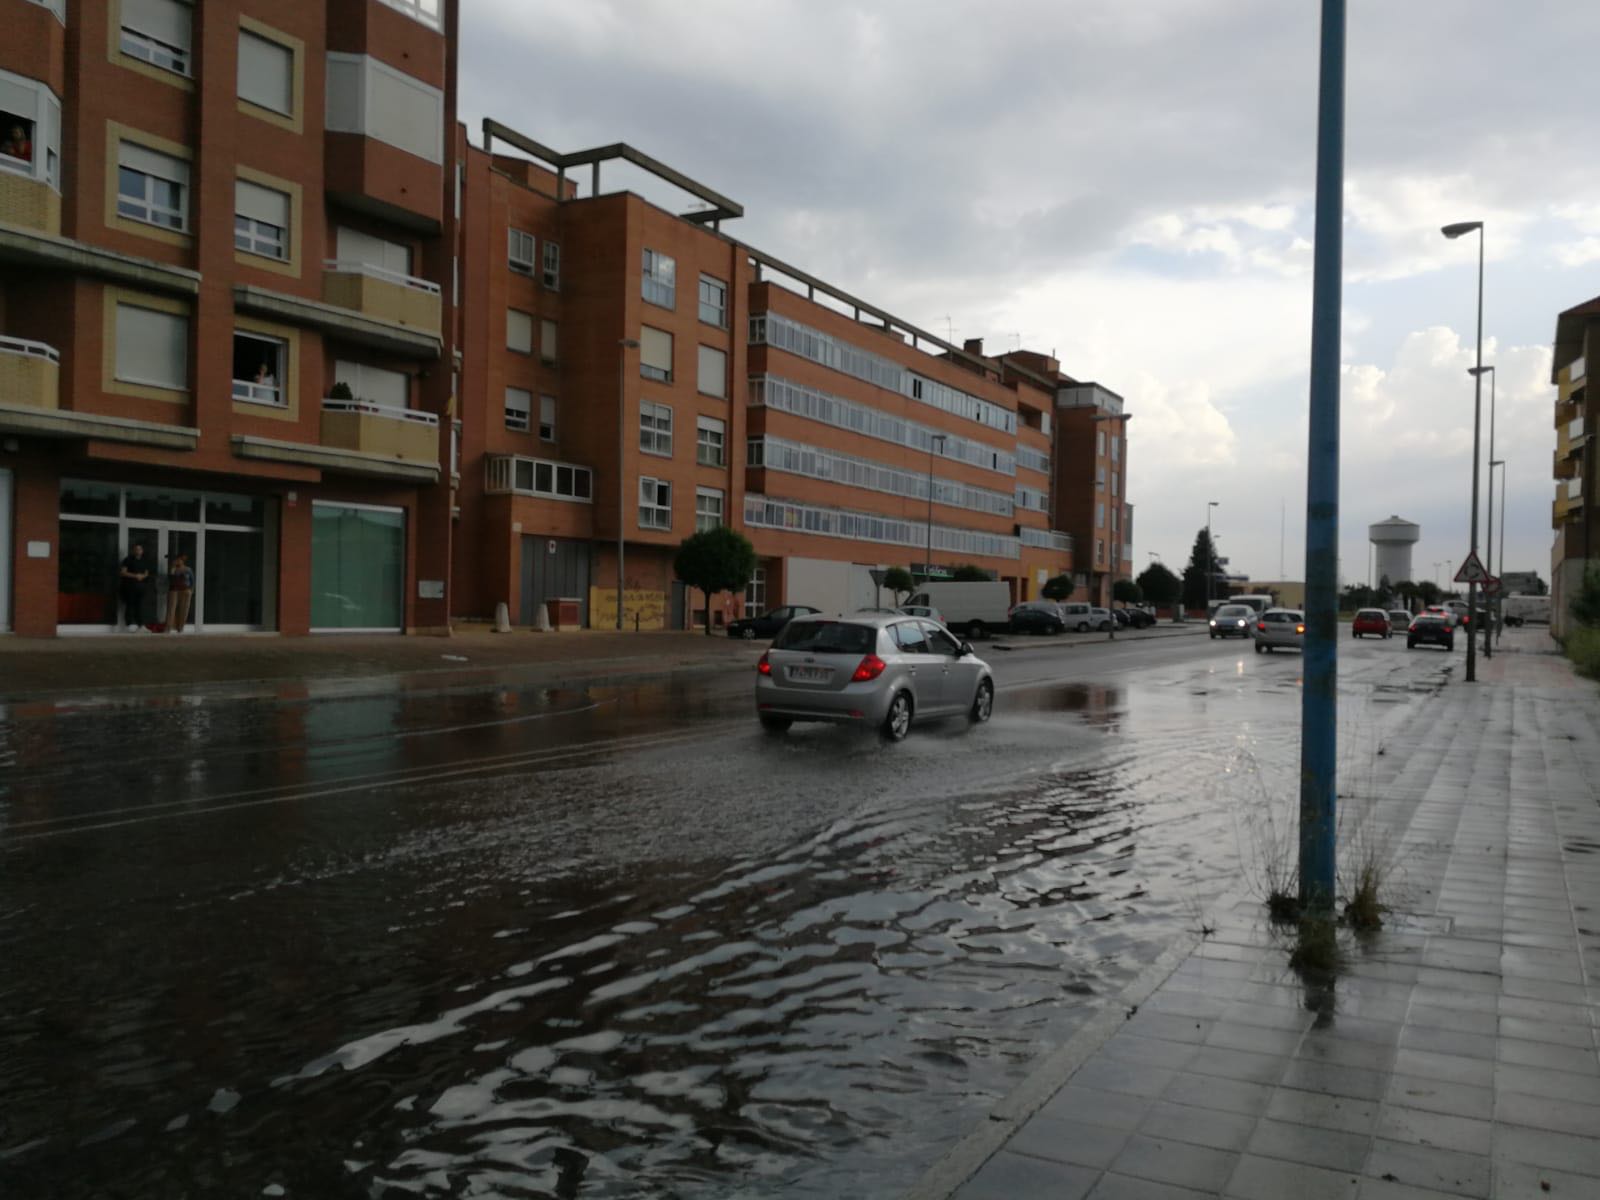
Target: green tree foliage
{"points": [[898, 580], [1428, 592], [1126, 591], [1057, 588], [1158, 584], [967, 573], [1202, 561], [715, 560], [1585, 606]]}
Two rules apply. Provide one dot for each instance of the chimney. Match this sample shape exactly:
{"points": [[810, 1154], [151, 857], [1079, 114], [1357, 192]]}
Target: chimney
{"points": [[973, 346]]}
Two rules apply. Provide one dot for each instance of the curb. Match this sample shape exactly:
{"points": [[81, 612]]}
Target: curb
{"points": [[1075, 641]]}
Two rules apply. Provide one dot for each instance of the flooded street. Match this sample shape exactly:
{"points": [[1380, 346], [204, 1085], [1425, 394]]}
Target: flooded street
{"points": [[481, 939]]}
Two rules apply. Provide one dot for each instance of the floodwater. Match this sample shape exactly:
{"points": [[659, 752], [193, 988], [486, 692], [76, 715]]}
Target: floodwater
{"points": [[498, 941]]}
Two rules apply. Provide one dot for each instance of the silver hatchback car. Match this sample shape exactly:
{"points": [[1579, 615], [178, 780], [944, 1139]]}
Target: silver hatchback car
{"points": [[869, 669], [1280, 629]]}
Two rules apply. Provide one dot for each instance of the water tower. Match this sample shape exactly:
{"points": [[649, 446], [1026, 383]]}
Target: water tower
{"points": [[1392, 541]]}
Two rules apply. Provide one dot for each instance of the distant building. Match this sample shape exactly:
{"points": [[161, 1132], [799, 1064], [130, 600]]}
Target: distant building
{"points": [[1522, 583], [1574, 513], [1291, 593]]}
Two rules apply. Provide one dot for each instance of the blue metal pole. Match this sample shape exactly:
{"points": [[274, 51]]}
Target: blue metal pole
{"points": [[1319, 703]]}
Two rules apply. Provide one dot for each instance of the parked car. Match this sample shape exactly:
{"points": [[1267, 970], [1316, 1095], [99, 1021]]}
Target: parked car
{"points": [[1037, 618], [1084, 617], [768, 623], [1120, 617], [1431, 629], [1140, 618], [1280, 629], [975, 607], [1232, 620], [873, 671], [922, 610], [1370, 620], [1399, 619]]}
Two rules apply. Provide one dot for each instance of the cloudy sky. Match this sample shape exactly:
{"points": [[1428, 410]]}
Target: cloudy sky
{"points": [[1128, 183]]}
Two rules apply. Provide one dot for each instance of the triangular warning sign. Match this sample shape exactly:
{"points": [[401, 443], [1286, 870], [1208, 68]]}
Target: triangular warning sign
{"points": [[1472, 570]]}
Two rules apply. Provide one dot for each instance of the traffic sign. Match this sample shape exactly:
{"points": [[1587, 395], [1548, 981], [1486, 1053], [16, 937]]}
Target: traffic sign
{"points": [[1491, 586], [1472, 570]]}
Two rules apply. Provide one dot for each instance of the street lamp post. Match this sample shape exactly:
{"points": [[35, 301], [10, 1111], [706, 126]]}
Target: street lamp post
{"points": [[1458, 229], [1488, 548], [623, 346], [1501, 573], [1211, 552], [936, 440]]}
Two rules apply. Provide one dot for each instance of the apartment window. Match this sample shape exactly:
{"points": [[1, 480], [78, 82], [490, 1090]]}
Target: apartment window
{"points": [[755, 593], [157, 32], [547, 418], [707, 509], [655, 428], [30, 129], [374, 385], [258, 369], [1100, 476], [1116, 448], [424, 11], [655, 354], [1100, 515], [1099, 551], [659, 283], [1114, 515], [520, 251], [519, 331], [713, 302], [371, 98], [1100, 441], [1113, 483], [547, 342], [260, 220], [552, 266], [655, 504], [152, 347], [356, 247], [266, 73], [713, 372], [152, 187], [518, 405], [710, 442]]}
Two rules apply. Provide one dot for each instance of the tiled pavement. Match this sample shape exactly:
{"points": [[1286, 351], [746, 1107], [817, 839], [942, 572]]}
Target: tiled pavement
{"points": [[1457, 1052]]}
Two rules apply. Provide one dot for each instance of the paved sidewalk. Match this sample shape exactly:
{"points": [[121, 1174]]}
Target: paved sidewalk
{"points": [[1457, 1053]]}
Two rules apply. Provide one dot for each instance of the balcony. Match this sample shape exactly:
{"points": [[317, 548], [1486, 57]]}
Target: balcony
{"points": [[382, 294], [1568, 504], [344, 323], [30, 374], [403, 434], [29, 203], [1566, 465]]}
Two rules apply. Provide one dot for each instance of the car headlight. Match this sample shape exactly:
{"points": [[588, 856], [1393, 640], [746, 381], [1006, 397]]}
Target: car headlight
{"points": [[1213, 622]]}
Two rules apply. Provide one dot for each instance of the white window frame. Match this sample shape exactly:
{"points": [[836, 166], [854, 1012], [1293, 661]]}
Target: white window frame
{"points": [[658, 281], [1116, 449], [518, 415], [548, 411], [424, 12], [1100, 475], [655, 428], [270, 395], [143, 208], [711, 442], [42, 110], [255, 236], [1099, 441], [755, 593], [655, 503], [710, 508], [518, 240], [519, 331], [719, 374], [549, 341], [178, 384], [245, 38], [717, 306], [157, 51], [1114, 484], [550, 262], [1100, 514], [352, 80]]}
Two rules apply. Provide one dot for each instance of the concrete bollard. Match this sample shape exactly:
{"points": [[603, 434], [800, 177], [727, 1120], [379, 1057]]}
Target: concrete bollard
{"points": [[502, 618], [541, 618]]}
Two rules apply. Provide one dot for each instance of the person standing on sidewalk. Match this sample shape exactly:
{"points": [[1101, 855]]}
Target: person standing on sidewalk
{"points": [[132, 580], [180, 590]]}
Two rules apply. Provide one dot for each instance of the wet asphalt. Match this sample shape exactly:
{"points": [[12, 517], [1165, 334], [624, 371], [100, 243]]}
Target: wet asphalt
{"points": [[450, 937]]}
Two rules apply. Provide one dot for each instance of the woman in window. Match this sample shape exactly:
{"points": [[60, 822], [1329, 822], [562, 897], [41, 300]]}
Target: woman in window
{"points": [[17, 143]]}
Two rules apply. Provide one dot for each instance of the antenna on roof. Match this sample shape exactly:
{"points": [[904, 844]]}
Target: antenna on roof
{"points": [[949, 330]]}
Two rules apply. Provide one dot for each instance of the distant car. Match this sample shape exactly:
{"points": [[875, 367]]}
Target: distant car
{"points": [[874, 671], [922, 610], [1370, 620], [1139, 618], [1462, 612], [1399, 619], [1084, 617], [1431, 629], [1232, 620], [768, 623], [1280, 629], [1449, 615], [1037, 618]]}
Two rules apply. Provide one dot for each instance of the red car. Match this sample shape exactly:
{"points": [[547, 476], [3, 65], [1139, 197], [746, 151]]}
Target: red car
{"points": [[1371, 620]]}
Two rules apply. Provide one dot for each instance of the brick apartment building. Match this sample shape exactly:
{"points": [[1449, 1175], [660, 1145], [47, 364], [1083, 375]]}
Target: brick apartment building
{"points": [[1574, 513], [214, 216], [368, 376]]}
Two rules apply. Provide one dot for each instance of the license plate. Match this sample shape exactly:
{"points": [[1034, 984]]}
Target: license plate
{"points": [[810, 674]]}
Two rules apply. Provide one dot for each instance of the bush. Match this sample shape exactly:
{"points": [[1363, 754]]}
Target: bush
{"points": [[1058, 587], [967, 573], [899, 581], [1583, 648]]}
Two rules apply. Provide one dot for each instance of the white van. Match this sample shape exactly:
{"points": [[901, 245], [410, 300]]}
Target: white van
{"points": [[1083, 617], [971, 609]]}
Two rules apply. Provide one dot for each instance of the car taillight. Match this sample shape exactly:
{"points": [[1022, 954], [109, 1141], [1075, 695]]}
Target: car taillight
{"points": [[1299, 628], [764, 667], [1261, 625], [868, 668]]}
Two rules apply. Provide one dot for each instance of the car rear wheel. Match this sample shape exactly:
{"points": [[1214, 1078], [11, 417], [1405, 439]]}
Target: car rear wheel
{"points": [[1411, 643], [974, 631], [898, 721], [1058, 627], [748, 633], [1083, 627], [982, 703], [1259, 647], [775, 724], [1450, 645]]}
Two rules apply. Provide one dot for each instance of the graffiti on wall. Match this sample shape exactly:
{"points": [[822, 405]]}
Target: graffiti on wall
{"points": [[648, 608]]}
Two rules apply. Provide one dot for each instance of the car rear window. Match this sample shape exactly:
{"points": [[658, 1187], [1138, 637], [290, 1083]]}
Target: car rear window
{"points": [[1235, 610], [1292, 618], [827, 637], [1375, 613]]}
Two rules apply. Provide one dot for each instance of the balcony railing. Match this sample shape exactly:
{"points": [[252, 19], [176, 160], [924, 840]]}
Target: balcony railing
{"points": [[508, 474], [269, 394], [1048, 539], [380, 410], [353, 266], [22, 346], [30, 374]]}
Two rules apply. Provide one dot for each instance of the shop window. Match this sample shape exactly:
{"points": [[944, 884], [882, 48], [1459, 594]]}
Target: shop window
{"points": [[258, 369], [357, 567]]}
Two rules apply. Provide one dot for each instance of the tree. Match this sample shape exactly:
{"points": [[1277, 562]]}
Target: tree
{"points": [[967, 573], [1357, 595], [1407, 591], [1385, 590], [1428, 592], [715, 560], [1126, 591], [1058, 588], [1585, 606], [1202, 567], [1159, 585], [898, 580]]}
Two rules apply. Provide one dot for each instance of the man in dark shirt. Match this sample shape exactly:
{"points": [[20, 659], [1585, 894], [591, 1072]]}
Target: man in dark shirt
{"points": [[132, 580]]}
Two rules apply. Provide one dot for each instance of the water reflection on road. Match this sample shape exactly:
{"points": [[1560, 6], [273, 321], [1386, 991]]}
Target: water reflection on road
{"points": [[605, 942]]}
